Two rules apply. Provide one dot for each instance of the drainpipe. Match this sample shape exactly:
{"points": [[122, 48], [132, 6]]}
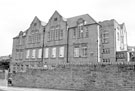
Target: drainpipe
{"points": [[99, 54], [67, 42], [43, 46]]}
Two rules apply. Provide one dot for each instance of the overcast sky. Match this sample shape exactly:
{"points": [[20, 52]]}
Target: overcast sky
{"points": [[16, 15]]}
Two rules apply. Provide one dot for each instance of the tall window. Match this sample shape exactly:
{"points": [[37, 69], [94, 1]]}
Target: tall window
{"points": [[53, 52], [106, 50], [80, 28], [32, 41], [74, 33], [84, 50], [39, 53], [38, 37], [61, 51], [52, 34], [49, 36], [105, 37], [81, 31], [57, 32], [46, 51], [120, 55], [106, 60], [105, 40], [34, 38], [122, 43], [61, 34], [33, 53], [76, 51], [87, 32], [27, 53]]}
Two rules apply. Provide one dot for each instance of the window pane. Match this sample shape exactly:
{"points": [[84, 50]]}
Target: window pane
{"points": [[76, 52], [61, 34], [106, 50], [61, 51], [28, 54], [56, 34], [53, 52], [74, 33], [33, 53], [84, 51], [38, 37], [48, 36], [39, 53], [87, 32]]}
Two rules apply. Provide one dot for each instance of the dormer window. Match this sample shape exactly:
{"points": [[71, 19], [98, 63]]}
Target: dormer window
{"points": [[80, 21], [81, 28]]}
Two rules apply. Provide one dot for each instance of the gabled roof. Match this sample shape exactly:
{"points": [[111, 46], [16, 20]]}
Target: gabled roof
{"points": [[72, 21], [43, 23], [35, 20], [56, 12], [121, 25]]}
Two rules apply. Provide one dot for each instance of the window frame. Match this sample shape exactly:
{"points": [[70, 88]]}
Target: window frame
{"points": [[53, 52], [27, 53], [33, 56], [39, 52], [61, 52], [84, 50], [76, 51], [106, 51]]}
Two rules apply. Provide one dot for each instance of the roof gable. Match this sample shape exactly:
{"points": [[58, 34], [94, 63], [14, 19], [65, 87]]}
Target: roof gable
{"points": [[35, 22], [56, 17], [72, 22]]}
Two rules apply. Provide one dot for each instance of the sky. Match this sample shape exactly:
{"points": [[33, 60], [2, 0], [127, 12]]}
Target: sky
{"points": [[17, 15]]}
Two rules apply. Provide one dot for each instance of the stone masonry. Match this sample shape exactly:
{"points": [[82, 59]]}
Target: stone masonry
{"points": [[79, 77]]}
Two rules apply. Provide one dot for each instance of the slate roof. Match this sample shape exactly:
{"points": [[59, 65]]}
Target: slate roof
{"points": [[72, 21]]}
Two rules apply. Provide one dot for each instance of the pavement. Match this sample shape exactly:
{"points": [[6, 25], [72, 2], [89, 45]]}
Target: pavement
{"points": [[5, 88]]}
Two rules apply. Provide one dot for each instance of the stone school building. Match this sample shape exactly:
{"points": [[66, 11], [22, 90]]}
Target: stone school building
{"points": [[75, 40]]}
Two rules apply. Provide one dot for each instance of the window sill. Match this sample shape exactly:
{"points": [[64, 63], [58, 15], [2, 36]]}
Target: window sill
{"points": [[38, 58], [84, 57], [53, 58], [61, 57], [76, 57]]}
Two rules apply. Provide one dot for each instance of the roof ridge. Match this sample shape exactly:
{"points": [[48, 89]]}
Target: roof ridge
{"points": [[76, 16]]}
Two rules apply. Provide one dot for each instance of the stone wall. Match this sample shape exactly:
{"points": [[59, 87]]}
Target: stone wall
{"points": [[77, 77]]}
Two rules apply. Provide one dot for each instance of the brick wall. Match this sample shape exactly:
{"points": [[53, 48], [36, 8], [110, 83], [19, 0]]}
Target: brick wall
{"points": [[94, 78]]}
